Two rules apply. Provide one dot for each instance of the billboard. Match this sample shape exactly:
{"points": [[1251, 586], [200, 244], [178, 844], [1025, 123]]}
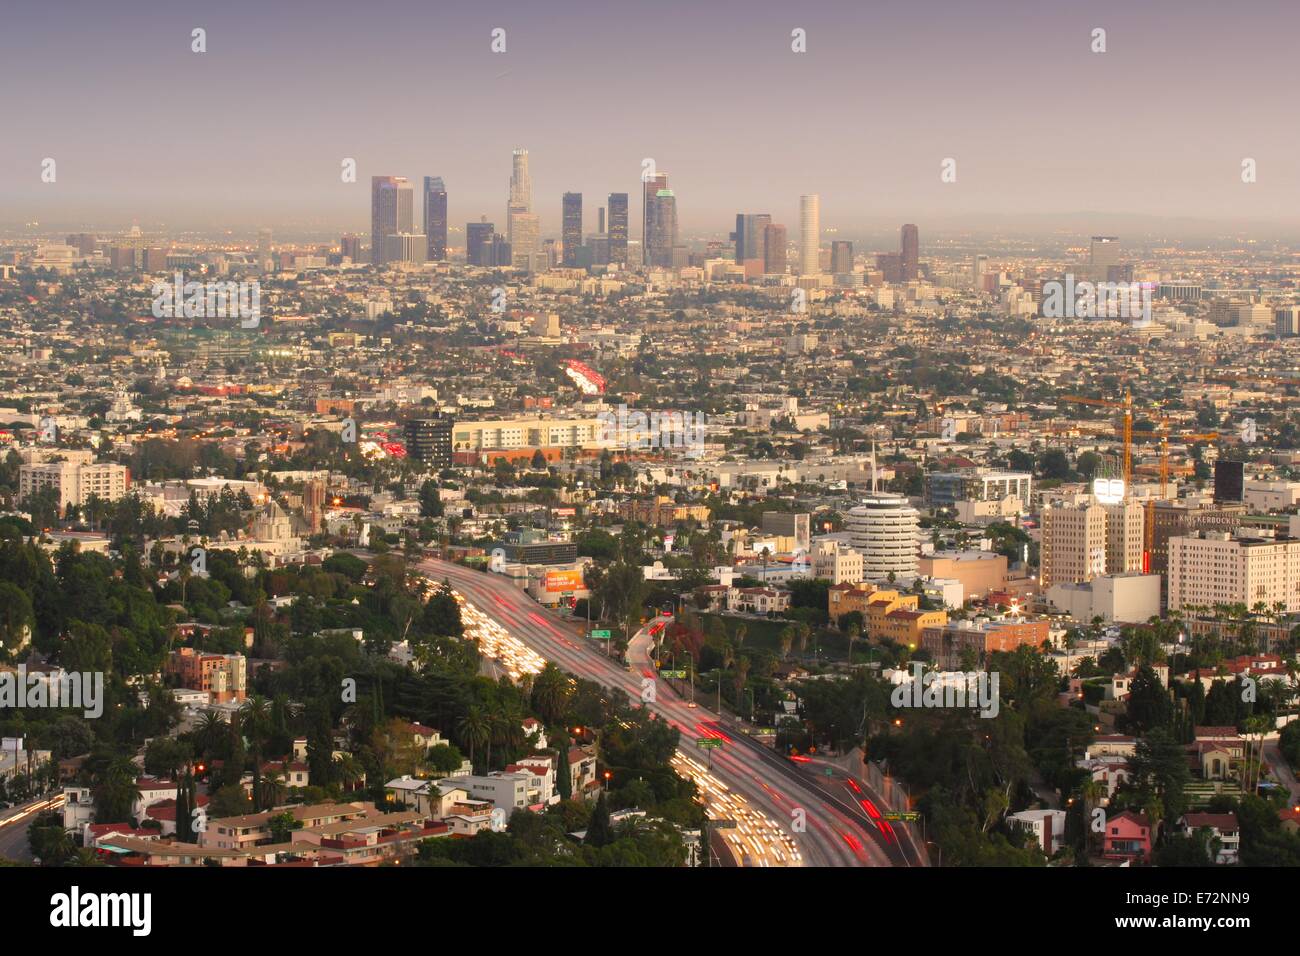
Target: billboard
{"points": [[558, 582]]}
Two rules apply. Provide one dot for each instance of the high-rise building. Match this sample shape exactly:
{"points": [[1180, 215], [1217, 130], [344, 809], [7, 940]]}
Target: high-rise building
{"points": [[618, 228], [810, 232], [884, 529], [841, 257], [649, 217], [521, 192], [750, 237], [428, 440], [405, 247], [525, 240], [265, 260], [661, 231], [1286, 322], [910, 253], [979, 266], [435, 218], [571, 223], [1103, 255], [478, 237], [774, 247], [1086, 539], [391, 212], [350, 246], [1213, 568]]}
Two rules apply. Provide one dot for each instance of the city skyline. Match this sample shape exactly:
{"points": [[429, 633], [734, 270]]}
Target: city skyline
{"points": [[1024, 153]]}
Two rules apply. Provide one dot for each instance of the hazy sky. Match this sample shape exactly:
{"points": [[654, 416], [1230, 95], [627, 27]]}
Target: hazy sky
{"points": [[253, 131]]}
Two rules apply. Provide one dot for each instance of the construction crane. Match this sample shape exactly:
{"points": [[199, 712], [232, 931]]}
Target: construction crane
{"points": [[1127, 429]]}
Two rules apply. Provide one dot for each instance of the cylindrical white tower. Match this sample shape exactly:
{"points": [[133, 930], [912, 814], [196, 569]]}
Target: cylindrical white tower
{"points": [[884, 529]]}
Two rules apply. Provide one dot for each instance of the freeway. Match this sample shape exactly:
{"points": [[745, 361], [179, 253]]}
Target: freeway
{"points": [[780, 818], [14, 823]]}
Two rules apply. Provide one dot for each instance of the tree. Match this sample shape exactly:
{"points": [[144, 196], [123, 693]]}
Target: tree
{"points": [[475, 729], [599, 831]]}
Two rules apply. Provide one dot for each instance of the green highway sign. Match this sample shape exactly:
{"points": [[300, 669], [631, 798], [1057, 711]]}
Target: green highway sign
{"points": [[600, 635], [708, 743], [723, 823], [680, 675], [829, 772], [899, 815]]}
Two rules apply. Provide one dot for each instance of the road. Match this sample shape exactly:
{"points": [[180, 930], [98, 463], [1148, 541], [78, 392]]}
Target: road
{"points": [[14, 823], [784, 818]]}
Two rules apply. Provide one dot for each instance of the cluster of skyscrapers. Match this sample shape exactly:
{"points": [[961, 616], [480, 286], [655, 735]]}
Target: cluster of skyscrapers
{"points": [[393, 237], [761, 245]]}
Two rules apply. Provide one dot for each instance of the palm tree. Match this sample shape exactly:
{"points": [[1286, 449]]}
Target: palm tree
{"points": [[256, 720], [270, 789], [210, 732], [475, 728], [551, 692], [348, 770]]}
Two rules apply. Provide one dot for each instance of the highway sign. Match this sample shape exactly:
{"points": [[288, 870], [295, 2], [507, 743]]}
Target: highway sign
{"points": [[708, 743], [680, 675], [899, 815], [723, 823], [600, 635]]}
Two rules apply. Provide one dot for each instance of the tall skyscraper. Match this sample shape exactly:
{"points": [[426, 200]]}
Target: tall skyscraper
{"points": [[910, 261], [750, 236], [810, 226], [435, 217], [774, 243], [841, 257], [1104, 254], [618, 228], [391, 212], [526, 246], [265, 261], [571, 227], [662, 236], [478, 240], [521, 191], [650, 191], [350, 246]]}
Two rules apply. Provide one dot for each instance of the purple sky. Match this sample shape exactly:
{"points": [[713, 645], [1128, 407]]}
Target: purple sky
{"points": [[253, 131]]}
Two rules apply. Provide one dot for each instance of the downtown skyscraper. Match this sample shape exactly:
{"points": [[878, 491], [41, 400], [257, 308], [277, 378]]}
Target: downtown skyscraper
{"points": [[523, 227], [750, 237], [618, 228], [810, 229], [571, 227], [910, 260], [391, 212], [660, 225], [435, 217]]}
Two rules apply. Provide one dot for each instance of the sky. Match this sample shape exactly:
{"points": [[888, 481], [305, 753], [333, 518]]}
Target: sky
{"points": [[1043, 131]]}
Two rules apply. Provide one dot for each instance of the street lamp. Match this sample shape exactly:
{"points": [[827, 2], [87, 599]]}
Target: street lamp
{"points": [[932, 843]]}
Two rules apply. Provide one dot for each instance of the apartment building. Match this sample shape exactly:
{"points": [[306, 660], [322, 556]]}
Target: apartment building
{"points": [[222, 676], [981, 637], [836, 562], [1213, 567], [73, 481], [528, 433], [1083, 539], [945, 489]]}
